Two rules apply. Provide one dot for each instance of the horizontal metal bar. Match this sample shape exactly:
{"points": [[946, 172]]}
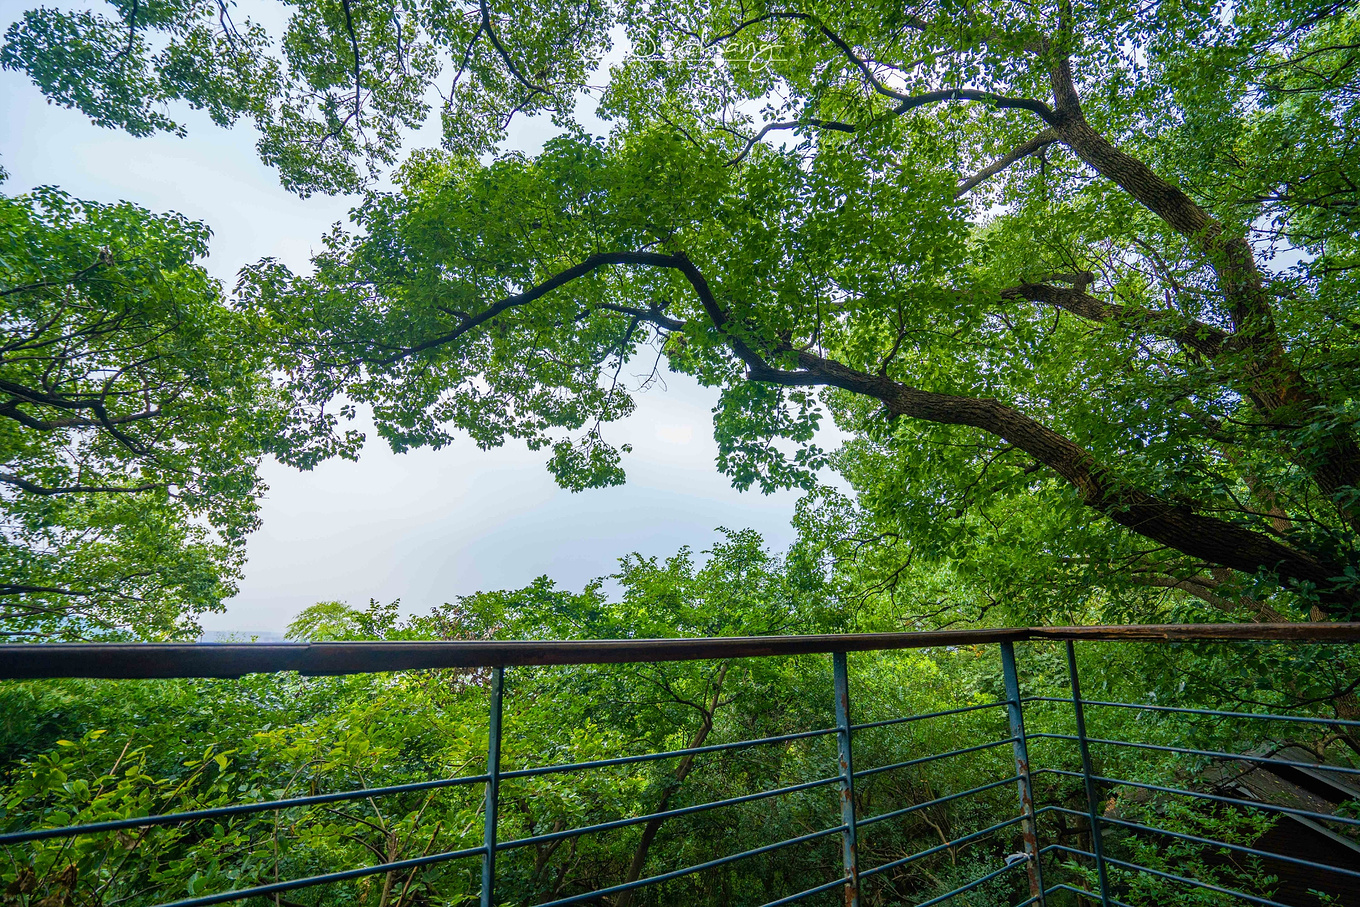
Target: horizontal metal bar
{"points": [[1263, 760], [1134, 867], [1298, 719], [924, 759], [670, 754], [149, 660], [904, 720], [700, 867], [1339, 632], [938, 848], [1255, 804], [962, 889], [276, 887], [217, 812], [1210, 842], [829, 886], [883, 817], [668, 814], [1083, 892]]}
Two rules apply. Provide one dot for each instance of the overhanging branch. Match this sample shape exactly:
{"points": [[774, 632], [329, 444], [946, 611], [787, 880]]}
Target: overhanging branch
{"points": [[1042, 140], [772, 127], [1205, 339], [1174, 525]]}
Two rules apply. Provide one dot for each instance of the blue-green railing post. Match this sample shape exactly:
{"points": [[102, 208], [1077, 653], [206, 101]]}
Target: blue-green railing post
{"points": [[493, 788], [1097, 847], [1029, 827], [848, 836]]}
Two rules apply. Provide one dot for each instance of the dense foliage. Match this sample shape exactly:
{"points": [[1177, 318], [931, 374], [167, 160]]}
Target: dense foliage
{"points": [[1084, 272], [1077, 280], [84, 751], [132, 417]]}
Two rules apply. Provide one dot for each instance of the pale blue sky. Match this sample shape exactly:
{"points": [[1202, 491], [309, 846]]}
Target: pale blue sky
{"points": [[423, 526]]}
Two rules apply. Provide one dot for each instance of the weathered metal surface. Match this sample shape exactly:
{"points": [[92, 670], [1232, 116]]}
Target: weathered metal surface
{"points": [[162, 660], [1300, 632], [849, 834], [152, 660], [493, 789], [1097, 846], [240, 809], [149, 661], [1029, 828]]}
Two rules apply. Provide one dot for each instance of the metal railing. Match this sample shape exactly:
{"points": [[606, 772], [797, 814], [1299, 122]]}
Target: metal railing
{"points": [[1110, 874]]}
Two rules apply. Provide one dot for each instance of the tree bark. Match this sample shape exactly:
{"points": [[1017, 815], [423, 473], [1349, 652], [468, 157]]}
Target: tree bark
{"points": [[1174, 525], [1279, 392]]}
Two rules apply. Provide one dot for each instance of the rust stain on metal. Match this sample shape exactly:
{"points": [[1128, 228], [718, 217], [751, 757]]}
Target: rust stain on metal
{"points": [[1028, 833], [852, 878], [22, 661]]}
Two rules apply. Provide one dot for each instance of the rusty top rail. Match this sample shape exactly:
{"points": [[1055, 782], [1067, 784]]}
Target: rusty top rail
{"points": [[167, 660]]}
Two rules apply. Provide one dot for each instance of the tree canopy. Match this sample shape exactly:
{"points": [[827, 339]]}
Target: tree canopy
{"points": [[133, 414], [1079, 279]]}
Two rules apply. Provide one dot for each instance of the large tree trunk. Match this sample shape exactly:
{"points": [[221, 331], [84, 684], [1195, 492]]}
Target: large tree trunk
{"points": [[1278, 391]]}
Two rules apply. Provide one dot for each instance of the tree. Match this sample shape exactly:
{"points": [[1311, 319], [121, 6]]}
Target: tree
{"points": [[133, 412], [332, 93], [1106, 337], [1084, 257]]}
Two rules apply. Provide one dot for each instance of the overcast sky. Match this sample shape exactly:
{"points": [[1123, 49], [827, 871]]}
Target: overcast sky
{"points": [[422, 526]]}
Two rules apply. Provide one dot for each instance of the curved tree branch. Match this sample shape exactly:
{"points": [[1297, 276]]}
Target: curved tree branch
{"points": [[1040, 141], [354, 43], [504, 54], [794, 124], [1171, 524], [1205, 339], [1277, 389], [34, 488]]}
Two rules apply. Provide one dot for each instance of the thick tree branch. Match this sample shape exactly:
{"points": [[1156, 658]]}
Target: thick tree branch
{"points": [[1205, 339], [944, 95], [505, 54], [654, 315], [1203, 588], [742, 26], [1276, 388], [593, 263], [908, 102], [1173, 525], [34, 488], [354, 44]]}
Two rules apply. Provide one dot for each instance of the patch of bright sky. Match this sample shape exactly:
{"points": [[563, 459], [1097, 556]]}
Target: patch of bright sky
{"points": [[423, 526]]}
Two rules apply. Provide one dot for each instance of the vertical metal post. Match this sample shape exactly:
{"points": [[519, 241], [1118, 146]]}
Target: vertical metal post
{"points": [[493, 788], [1029, 827], [848, 836], [1097, 847]]}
